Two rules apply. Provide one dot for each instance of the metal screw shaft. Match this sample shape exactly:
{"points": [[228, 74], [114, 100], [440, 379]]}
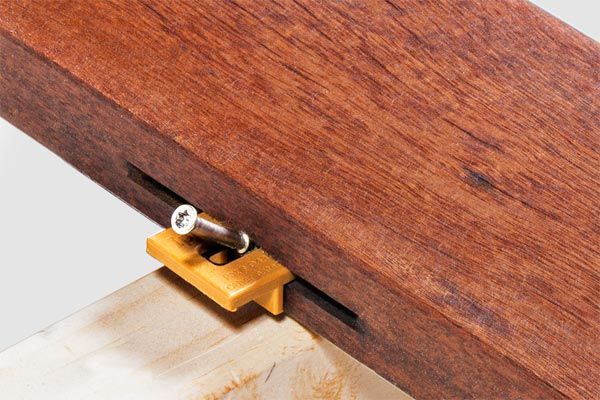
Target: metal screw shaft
{"points": [[185, 220]]}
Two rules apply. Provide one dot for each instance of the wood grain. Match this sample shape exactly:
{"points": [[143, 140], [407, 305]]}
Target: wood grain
{"points": [[109, 351], [432, 166]]}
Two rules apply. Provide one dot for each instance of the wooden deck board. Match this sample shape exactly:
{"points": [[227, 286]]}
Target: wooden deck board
{"points": [[431, 166]]}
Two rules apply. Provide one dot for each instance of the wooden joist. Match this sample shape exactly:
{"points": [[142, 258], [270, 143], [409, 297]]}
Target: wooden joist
{"points": [[158, 338]]}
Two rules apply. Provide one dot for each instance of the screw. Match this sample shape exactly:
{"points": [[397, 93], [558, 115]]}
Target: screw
{"points": [[185, 220]]}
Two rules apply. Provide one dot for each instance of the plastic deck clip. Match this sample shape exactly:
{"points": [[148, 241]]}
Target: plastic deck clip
{"points": [[254, 276]]}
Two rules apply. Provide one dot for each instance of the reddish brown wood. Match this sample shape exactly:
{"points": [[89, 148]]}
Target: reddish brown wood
{"points": [[433, 167]]}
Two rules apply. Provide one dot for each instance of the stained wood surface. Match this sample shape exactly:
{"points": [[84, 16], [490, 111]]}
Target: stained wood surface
{"points": [[432, 166], [158, 338]]}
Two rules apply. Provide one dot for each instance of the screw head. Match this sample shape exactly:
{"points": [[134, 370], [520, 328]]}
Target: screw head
{"points": [[183, 219]]}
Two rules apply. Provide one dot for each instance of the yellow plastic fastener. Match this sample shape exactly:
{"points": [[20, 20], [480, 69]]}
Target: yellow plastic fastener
{"points": [[255, 276]]}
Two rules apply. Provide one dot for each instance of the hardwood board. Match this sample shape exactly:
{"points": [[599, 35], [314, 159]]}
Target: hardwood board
{"points": [[433, 167], [109, 351]]}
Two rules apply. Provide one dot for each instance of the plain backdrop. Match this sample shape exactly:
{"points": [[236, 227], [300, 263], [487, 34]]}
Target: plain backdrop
{"points": [[65, 242]]}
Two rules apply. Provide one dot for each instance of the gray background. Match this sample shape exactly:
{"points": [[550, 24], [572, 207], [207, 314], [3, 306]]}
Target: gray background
{"points": [[84, 243]]}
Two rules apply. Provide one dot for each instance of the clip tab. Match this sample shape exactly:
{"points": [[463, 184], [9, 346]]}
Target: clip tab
{"points": [[254, 276]]}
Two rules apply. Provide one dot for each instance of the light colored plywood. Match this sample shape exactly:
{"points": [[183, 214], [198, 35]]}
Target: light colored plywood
{"points": [[160, 339]]}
